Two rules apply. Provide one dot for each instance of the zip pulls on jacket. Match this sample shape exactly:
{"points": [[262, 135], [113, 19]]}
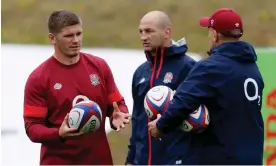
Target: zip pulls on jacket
{"points": [[154, 65], [158, 52], [179, 43]]}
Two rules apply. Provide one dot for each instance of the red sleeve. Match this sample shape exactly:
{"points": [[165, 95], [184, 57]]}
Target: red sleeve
{"points": [[35, 112], [114, 94]]}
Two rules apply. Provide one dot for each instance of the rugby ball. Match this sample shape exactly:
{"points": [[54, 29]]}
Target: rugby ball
{"points": [[157, 100], [198, 120], [86, 116]]}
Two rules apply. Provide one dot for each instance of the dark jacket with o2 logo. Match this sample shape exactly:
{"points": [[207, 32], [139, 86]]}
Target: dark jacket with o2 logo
{"points": [[230, 84], [169, 67]]}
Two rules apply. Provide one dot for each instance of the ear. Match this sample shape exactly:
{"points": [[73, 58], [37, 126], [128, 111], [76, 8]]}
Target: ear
{"points": [[215, 35], [52, 38], [168, 33]]}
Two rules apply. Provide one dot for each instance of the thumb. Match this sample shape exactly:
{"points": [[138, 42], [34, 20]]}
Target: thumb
{"points": [[149, 124], [158, 116], [115, 106], [71, 130], [66, 118]]}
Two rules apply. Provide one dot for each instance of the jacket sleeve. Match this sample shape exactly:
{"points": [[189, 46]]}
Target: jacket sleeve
{"points": [[114, 94], [35, 112], [189, 64], [192, 92], [132, 146]]}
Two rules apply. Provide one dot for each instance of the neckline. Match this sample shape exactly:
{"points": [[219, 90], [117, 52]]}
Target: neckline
{"points": [[68, 66]]}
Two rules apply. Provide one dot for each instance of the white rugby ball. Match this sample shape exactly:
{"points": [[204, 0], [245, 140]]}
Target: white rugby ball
{"points": [[198, 120], [157, 100], [86, 116]]}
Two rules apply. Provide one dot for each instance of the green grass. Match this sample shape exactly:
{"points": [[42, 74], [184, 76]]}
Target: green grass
{"points": [[114, 23], [110, 23]]}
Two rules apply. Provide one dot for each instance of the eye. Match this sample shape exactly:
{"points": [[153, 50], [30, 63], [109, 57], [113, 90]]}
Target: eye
{"points": [[68, 35], [149, 30], [79, 33]]}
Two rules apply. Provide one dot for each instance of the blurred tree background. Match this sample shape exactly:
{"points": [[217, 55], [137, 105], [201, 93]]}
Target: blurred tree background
{"points": [[114, 23]]}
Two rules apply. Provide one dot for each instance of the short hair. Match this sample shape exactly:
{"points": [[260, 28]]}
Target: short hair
{"points": [[235, 33], [60, 19]]}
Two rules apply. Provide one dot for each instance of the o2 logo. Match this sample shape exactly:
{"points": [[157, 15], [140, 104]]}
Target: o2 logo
{"points": [[79, 98], [256, 95]]}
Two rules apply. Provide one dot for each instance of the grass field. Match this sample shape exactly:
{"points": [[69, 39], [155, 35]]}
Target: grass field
{"points": [[109, 23], [114, 23]]}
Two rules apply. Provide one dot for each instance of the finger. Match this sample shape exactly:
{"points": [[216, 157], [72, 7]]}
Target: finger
{"points": [[152, 133], [75, 134], [150, 124], [79, 133], [150, 128], [118, 129], [126, 121], [115, 106], [126, 115], [158, 116], [71, 130], [122, 126], [66, 118]]}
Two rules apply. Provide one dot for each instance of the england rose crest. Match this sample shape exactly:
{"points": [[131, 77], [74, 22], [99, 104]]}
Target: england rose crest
{"points": [[94, 79], [168, 77]]}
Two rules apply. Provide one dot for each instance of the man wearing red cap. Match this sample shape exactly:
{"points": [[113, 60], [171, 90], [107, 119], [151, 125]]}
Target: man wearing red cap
{"points": [[230, 84]]}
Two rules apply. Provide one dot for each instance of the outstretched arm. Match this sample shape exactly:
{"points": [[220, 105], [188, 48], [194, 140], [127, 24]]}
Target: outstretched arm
{"points": [[114, 95]]}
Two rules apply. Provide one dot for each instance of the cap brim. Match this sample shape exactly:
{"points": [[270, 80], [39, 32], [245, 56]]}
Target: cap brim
{"points": [[204, 21]]}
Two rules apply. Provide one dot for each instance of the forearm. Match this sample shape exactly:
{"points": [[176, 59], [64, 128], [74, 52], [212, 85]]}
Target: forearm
{"points": [[39, 133]]}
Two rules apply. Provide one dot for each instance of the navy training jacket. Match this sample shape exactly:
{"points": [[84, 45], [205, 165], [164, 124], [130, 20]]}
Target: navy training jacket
{"points": [[170, 67], [230, 84]]}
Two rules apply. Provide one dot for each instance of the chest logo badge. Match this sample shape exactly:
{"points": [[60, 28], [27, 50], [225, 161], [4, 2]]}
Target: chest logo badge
{"points": [[168, 78], [94, 79], [57, 86]]}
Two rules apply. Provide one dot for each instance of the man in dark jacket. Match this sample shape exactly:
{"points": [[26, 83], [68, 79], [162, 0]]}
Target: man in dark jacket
{"points": [[167, 64], [230, 84]]}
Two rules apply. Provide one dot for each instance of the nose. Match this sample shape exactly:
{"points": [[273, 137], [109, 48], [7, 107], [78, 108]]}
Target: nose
{"points": [[144, 37], [75, 39]]}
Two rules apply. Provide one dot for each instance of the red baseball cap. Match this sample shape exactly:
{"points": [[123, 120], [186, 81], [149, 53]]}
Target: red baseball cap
{"points": [[225, 21]]}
